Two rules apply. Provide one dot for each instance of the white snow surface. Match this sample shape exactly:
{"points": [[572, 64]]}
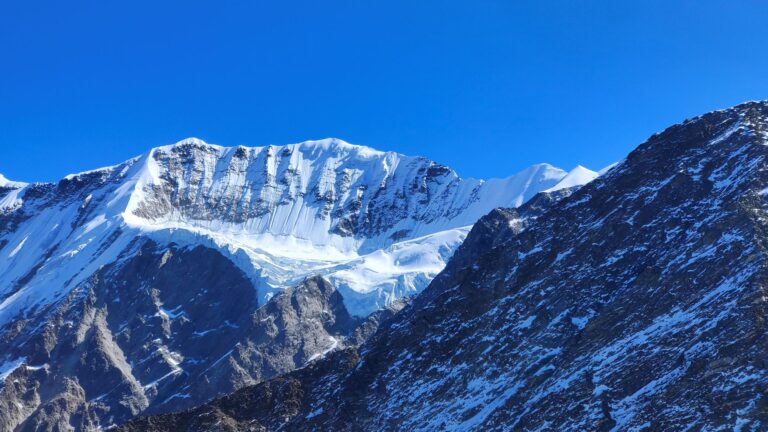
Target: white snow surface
{"points": [[303, 189], [576, 177], [9, 194], [5, 183]]}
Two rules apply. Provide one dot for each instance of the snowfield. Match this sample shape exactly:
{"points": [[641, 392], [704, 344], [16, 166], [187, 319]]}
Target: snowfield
{"points": [[379, 225]]}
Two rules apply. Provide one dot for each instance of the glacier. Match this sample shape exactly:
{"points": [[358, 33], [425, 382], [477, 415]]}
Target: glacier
{"points": [[379, 225]]}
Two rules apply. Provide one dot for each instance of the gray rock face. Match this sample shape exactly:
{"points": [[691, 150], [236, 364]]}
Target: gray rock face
{"points": [[636, 303], [161, 329]]}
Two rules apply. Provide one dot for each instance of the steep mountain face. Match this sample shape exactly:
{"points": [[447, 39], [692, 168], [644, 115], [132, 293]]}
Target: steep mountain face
{"points": [[361, 217], [379, 225], [191, 271], [328, 192], [636, 303]]}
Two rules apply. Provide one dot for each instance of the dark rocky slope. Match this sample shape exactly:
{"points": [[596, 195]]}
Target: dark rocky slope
{"points": [[171, 325], [637, 303]]}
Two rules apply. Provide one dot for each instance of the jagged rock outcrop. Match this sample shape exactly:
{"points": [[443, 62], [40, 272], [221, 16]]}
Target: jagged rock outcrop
{"points": [[636, 303], [162, 329]]}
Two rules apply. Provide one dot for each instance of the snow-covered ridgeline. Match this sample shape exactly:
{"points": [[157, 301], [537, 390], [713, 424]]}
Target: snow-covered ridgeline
{"points": [[5, 183], [327, 192], [379, 225]]}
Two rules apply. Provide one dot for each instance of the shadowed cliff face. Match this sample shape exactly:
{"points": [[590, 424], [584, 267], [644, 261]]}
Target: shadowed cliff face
{"points": [[636, 303], [163, 328]]}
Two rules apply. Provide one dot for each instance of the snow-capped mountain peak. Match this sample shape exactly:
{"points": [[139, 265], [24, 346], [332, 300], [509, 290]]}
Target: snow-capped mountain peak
{"points": [[575, 177], [281, 213], [5, 183], [325, 192]]}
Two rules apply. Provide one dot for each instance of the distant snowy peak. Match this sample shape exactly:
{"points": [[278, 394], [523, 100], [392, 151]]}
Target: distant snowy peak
{"points": [[578, 176], [10, 192], [379, 225], [328, 192], [322, 145], [9, 184]]}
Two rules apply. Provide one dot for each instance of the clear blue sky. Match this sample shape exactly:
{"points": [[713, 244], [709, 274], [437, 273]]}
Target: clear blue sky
{"points": [[486, 87]]}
